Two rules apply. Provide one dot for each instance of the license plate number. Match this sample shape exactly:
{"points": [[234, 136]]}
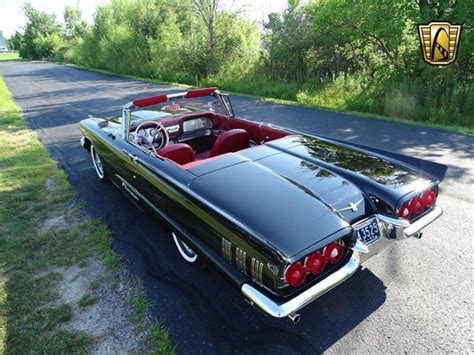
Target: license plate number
{"points": [[368, 232]]}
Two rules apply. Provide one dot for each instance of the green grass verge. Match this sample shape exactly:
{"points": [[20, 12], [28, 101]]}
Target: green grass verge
{"points": [[6, 57], [33, 193], [241, 91]]}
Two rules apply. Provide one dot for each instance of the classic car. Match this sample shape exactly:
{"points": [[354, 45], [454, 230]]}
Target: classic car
{"points": [[284, 215]]}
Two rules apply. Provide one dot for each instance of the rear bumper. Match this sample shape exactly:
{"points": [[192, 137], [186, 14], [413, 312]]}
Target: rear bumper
{"points": [[401, 229], [280, 310], [393, 229]]}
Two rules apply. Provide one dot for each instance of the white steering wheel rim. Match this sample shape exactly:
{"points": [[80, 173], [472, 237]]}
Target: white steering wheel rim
{"points": [[159, 128]]}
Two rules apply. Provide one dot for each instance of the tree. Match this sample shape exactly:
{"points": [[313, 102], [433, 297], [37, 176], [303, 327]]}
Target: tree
{"points": [[375, 26], [75, 26], [39, 26], [288, 38], [14, 41], [207, 12]]}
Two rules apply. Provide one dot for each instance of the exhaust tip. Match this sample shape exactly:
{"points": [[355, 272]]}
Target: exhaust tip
{"points": [[295, 318], [418, 235]]}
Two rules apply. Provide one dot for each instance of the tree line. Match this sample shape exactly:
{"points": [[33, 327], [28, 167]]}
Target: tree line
{"points": [[359, 55]]}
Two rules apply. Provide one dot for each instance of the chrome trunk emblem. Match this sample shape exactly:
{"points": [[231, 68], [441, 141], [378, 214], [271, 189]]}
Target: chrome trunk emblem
{"points": [[352, 206]]}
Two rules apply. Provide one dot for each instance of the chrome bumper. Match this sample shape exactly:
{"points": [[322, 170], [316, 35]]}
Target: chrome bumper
{"points": [[288, 308], [401, 229], [393, 229]]}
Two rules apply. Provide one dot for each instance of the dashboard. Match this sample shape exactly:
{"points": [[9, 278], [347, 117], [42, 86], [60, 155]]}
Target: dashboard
{"points": [[196, 124], [180, 130]]}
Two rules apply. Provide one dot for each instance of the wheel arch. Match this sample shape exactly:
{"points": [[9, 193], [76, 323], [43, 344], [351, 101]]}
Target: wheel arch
{"points": [[87, 144]]}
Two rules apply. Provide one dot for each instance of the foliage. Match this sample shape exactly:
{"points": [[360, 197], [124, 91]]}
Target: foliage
{"points": [[359, 55], [40, 29], [74, 26], [14, 41]]}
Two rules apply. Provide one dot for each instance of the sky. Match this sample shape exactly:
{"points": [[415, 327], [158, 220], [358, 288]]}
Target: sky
{"points": [[12, 18]]}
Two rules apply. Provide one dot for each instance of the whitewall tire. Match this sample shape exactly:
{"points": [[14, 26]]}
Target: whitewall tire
{"points": [[99, 167]]}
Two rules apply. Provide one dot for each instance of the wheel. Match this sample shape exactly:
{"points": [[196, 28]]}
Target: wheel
{"points": [[186, 252], [99, 167]]}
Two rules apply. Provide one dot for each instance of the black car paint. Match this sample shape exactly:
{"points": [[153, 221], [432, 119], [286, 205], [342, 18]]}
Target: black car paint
{"points": [[197, 203]]}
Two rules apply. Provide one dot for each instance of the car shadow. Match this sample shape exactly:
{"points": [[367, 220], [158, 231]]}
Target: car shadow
{"points": [[205, 313]]}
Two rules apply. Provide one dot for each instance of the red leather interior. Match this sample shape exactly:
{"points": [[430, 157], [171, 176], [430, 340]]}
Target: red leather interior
{"points": [[230, 141], [254, 130], [179, 153]]}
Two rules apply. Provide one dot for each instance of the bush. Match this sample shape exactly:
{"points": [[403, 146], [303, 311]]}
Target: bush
{"points": [[49, 46]]}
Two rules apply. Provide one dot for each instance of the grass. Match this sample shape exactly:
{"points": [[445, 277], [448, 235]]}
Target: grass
{"points": [[32, 192], [290, 94], [87, 300], [159, 339], [7, 57]]}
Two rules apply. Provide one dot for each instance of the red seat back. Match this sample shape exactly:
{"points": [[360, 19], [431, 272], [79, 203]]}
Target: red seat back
{"points": [[179, 153], [230, 141]]}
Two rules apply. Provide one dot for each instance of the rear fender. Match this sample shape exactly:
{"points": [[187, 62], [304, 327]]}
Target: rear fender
{"points": [[435, 171]]}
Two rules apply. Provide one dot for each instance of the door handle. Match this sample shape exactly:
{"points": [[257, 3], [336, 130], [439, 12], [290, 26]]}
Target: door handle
{"points": [[132, 157]]}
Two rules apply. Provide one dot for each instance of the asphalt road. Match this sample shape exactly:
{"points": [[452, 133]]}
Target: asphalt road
{"points": [[414, 297]]}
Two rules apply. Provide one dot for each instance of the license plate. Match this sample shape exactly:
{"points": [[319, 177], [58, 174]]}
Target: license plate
{"points": [[368, 231]]}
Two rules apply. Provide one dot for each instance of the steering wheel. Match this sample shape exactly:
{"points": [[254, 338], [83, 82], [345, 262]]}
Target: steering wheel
{"points": [[156, 133]]}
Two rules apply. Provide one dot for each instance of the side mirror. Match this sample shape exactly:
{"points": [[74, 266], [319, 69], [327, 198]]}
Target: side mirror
{"points": [[228, 104]]}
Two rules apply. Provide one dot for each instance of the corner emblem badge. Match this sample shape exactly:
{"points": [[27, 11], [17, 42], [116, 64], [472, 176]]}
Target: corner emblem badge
{"points": [[439, 42]]}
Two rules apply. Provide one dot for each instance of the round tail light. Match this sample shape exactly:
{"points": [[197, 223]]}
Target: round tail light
{"points": [[406, 211], [428, 198], [416, 205], [334, 252], [295, 274], [315, 263]]}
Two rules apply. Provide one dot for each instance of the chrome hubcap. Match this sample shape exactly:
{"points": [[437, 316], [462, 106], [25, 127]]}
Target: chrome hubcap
{"points": [[188, 249], [186, 252], [97, 163]]}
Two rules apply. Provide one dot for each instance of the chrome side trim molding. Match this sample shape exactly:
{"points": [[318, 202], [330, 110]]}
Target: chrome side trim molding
{"points": [[257, 271], [241, 260], [227, 250], [285, 309]]}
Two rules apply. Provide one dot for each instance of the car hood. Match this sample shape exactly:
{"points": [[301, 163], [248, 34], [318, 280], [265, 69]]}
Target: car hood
{"points": [[289, 198]]}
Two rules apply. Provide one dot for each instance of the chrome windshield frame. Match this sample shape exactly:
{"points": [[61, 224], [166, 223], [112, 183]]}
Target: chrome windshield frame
{"points": [[127, 109]]}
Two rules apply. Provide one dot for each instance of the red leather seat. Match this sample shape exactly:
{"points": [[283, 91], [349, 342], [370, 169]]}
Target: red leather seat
{"points": [[230, 141], [179, 153]]}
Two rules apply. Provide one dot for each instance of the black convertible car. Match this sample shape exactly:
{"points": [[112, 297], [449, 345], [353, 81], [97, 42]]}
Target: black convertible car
{"points": [[283, 215]]}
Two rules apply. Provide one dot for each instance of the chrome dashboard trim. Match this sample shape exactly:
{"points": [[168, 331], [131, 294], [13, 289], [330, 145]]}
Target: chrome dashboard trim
{"points": [[173, 129]]}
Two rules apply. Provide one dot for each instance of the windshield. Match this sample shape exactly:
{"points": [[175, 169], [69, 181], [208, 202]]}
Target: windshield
{"points": [[175, 107], [180, 106]]}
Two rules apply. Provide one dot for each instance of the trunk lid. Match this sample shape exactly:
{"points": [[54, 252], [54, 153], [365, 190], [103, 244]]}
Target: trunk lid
{"points": [[295, 192]]}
